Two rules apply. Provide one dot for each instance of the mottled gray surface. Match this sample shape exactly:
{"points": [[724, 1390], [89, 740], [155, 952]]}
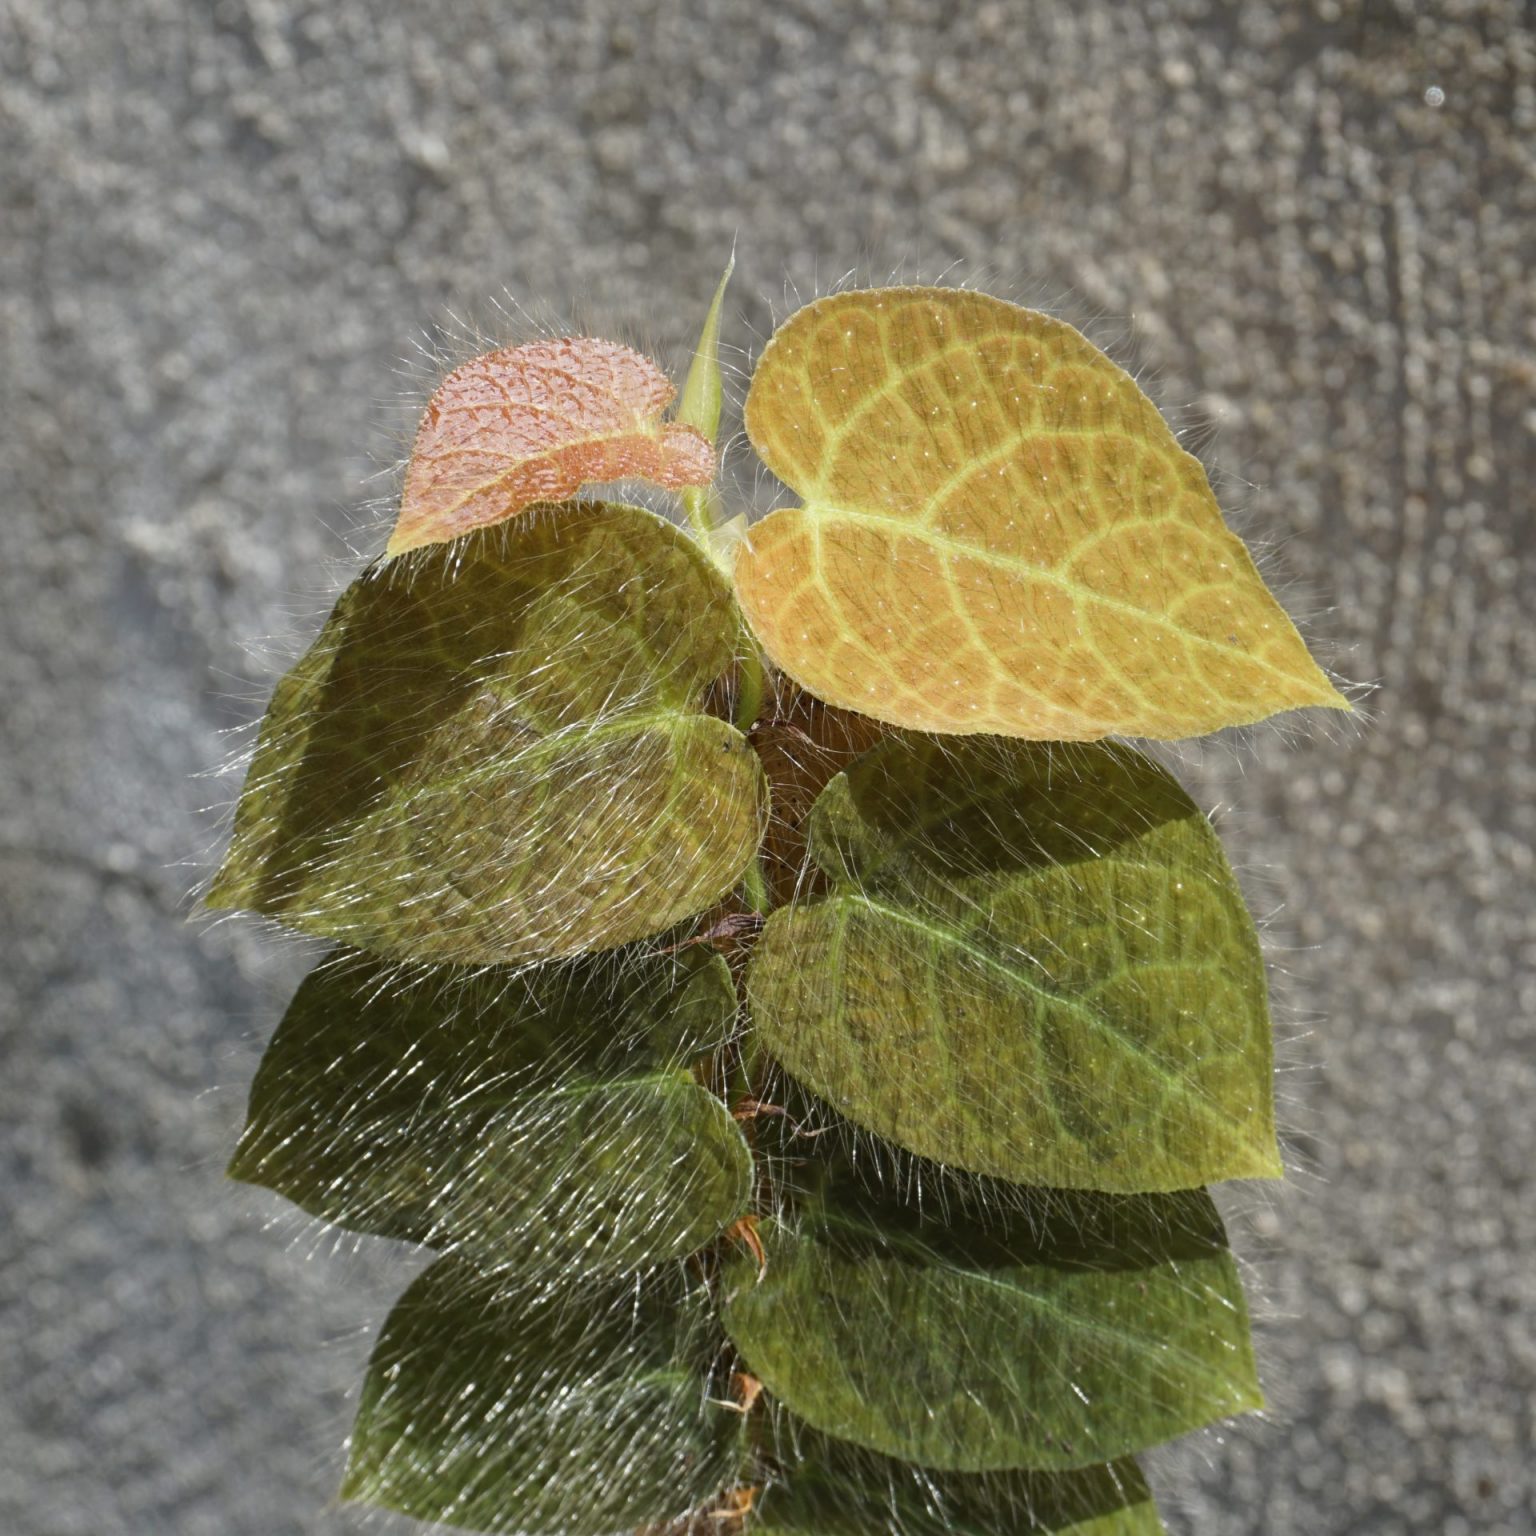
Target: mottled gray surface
{"points": [[224, 222]]}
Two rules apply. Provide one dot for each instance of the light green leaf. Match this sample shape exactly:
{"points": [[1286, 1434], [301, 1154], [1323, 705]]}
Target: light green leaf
{"points": [[833, 1488], [542, 1123], [531, 1413], [700, 409], [1034, 962], [702, 393], [1115, 1325], [494, 753]]}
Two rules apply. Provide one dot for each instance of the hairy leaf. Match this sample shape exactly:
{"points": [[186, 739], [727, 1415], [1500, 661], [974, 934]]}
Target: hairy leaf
{"points": [[536, 423], [540, 1411], [1113, 1326], [702, 391], [998, 533], [700, 408], [498, 757], [540, 1122], [1032, 963], [833, 1488]]}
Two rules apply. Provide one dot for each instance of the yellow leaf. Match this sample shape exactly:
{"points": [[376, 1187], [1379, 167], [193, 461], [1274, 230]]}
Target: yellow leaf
{"points": [[998, 533]]}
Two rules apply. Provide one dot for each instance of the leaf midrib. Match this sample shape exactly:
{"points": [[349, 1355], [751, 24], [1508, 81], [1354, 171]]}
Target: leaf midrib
{"points": [[820, 514]]}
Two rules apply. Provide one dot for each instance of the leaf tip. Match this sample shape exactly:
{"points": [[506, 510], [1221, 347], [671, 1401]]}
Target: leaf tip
{"points": [[244, 1166], [687, 454], [356, 1486], [399, 543], [1335, 699]]}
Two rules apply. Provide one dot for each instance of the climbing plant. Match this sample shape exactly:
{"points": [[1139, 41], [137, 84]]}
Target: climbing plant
{"points": [[801, 1023]]}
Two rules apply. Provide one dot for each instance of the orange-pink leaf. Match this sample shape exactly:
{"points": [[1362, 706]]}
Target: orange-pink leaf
{"points": [[536, 423]]}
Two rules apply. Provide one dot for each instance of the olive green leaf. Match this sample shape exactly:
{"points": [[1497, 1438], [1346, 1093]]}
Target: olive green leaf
{"points": [[529, 1412], [542, 1121], [832, 1488], [1033, 962], [998, 533], [494, 752], [1115, 1323]]}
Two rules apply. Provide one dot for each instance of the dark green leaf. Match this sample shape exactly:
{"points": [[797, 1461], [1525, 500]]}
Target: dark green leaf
{"points": [[541, 1121], [528, 1412], [493, 753], [1111, 1325], [835, 1489], [1034, 962]]}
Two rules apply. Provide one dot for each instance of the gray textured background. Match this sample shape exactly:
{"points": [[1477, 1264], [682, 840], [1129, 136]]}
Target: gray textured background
{"points": [[224, 222]]}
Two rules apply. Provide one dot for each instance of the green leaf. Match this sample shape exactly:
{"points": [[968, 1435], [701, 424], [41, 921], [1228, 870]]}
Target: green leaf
{"points": [[1109, 1325], [702, 393], [542, 1123], [1033, 962], [836, 1489], [699, 408], [527, 1413], [494, 752]]}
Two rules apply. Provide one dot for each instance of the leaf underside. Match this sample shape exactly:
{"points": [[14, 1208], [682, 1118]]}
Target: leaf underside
{"points": [[543, 1122], [540, 1412], [998, 533], [1113, 1327], [535, 423], [1032, 963], [498, 756]]}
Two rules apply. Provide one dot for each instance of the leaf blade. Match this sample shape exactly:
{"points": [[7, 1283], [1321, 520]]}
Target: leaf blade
{"points": [[1119, 1326], [833, 1488], [1030, 964], [502, 758], [520, 1412], [535, 423], [699, 406], [542, 1124], [998, 534]]}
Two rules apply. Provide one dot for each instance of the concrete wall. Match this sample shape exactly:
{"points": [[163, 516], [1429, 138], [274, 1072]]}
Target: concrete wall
{"points": [[226, 221]]}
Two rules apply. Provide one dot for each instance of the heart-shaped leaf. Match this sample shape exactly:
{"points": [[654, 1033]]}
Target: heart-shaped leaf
{"points": [[1114, 1325], [539, 1411], [500, 757], [536, 423], [1034, 963], [541, 1122], [832, 1488], [998, 533]]}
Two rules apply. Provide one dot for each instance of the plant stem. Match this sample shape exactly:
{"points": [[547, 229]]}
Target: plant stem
{"points": [[756, 887], [749, 704], [701, 503], [749, 689]]}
